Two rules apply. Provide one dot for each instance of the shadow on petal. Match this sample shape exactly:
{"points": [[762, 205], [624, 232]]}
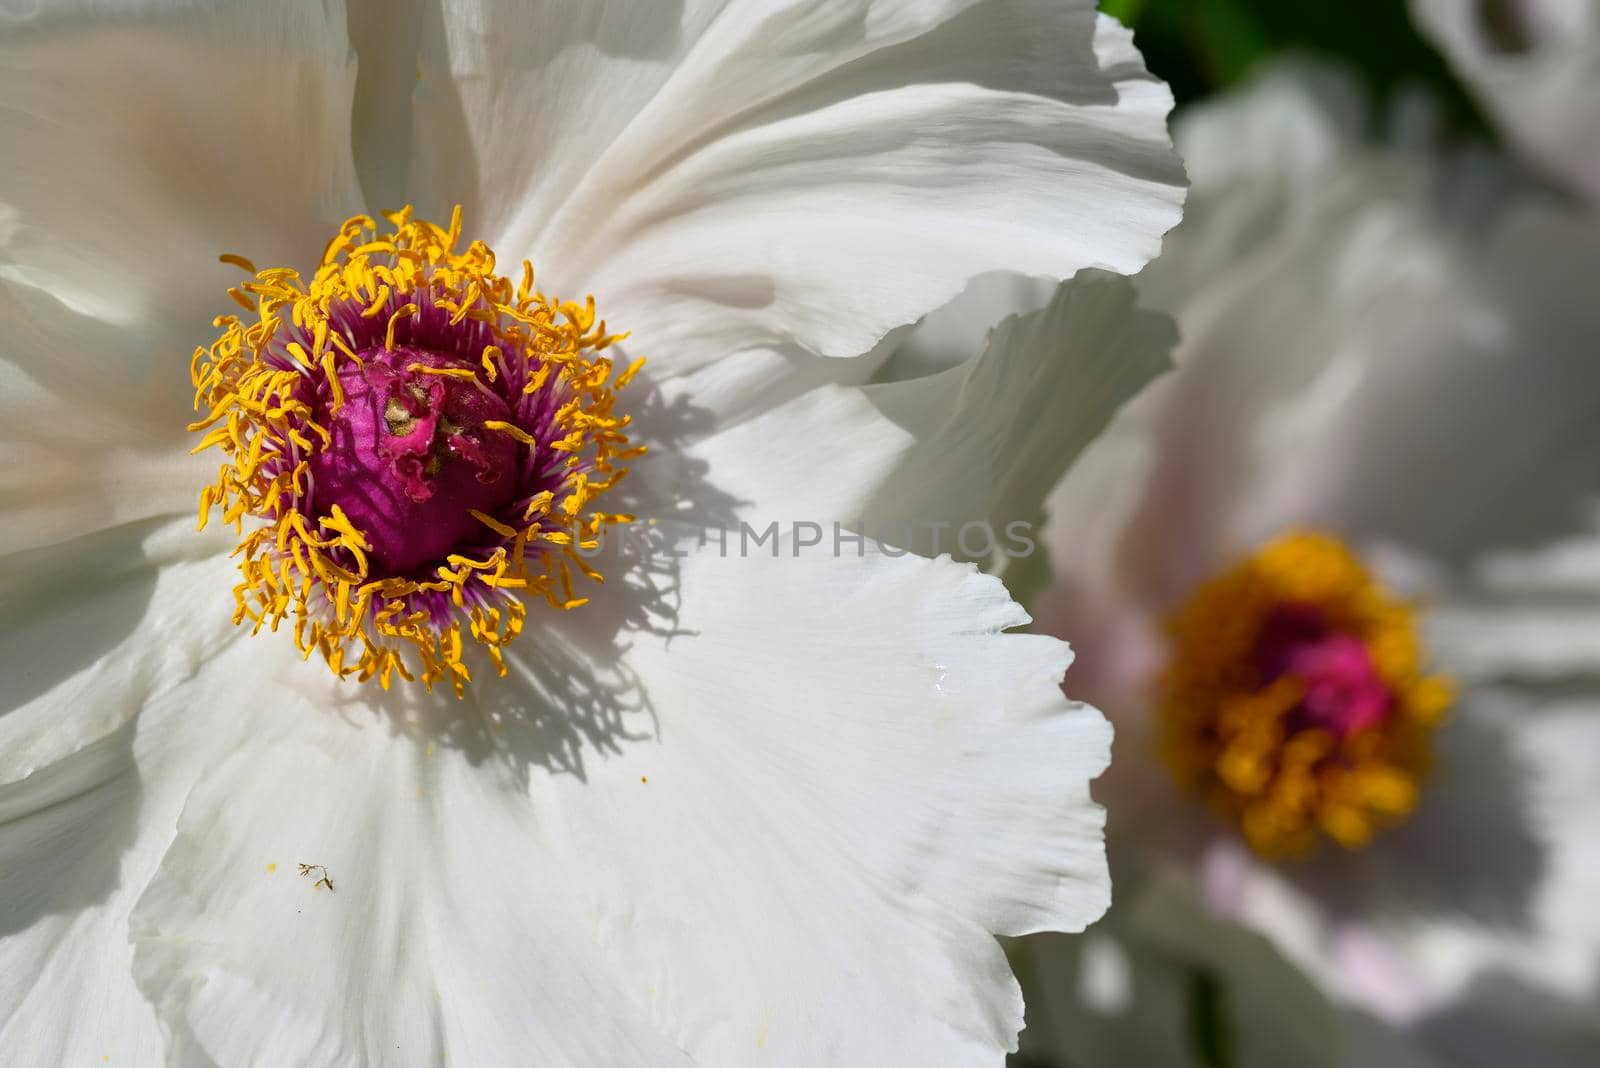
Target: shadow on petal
{"points": [[64, 829], [569, 694], [66, 606]]}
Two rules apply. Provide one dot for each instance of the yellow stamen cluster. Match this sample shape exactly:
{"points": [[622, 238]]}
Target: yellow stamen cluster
{"points": [[1230, 736], [256, 383]]}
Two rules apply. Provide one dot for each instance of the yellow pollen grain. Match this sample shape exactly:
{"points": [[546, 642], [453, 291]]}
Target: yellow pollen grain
{"points": [[1232, 740], [314, 567]]}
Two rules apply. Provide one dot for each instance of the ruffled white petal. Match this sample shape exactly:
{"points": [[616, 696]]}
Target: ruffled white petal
{"points": [[1535, 67], [145, 140], [950, 462], [781, 827], [853, 761], [734, 176]]}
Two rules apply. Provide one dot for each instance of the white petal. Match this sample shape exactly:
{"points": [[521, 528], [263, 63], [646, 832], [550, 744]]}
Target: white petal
{"points": [[1558, 746], [1297, 119], [913, 463], [733, 176], [1265, 159], [1537, 73], [949, 336], [1525, 615], [96, 419], [81, 837], [1488, 641], [148, 140], [1480, 378], [781, 833], [446, 935], [1274, 345], [855, 778], [1322, 324], [1493, 876], [91, 630], [386, 36], [158, 139], [1569, 566], [65, 985]]}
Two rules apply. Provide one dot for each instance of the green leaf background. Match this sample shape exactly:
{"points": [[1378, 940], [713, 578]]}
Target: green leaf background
{"points": [[1203, 46]]}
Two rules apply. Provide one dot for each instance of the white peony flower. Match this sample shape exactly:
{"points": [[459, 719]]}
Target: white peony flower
{"points": [[729, 807], [1347, 719], [1535, 67]]}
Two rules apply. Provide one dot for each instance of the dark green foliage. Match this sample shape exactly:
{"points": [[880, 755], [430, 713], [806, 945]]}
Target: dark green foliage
{"points": [[1200, 46]]}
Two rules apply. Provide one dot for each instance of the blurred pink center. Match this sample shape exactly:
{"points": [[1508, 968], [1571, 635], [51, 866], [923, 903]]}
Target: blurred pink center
{"points": [[411, 457], [1344, 693]]}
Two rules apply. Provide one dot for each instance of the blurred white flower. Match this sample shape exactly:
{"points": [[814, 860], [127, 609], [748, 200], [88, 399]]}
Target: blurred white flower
{"points": [[1384, 402], [1535, 67], [737, 808]]}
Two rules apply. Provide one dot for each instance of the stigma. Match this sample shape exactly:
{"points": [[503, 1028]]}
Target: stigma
{"points": [[1296, 701], [413, 446]]}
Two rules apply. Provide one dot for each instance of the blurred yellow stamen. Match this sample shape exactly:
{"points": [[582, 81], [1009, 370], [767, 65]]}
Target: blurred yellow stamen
{"points": [[1246, 742]]}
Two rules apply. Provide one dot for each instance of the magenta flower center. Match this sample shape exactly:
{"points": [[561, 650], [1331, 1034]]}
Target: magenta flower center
{"points": [[1343, 690], [410, 457]]}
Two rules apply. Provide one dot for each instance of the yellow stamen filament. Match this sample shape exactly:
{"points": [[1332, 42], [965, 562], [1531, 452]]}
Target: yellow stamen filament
{"points": [[251, 385], [511, 430], [464, 373]]}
